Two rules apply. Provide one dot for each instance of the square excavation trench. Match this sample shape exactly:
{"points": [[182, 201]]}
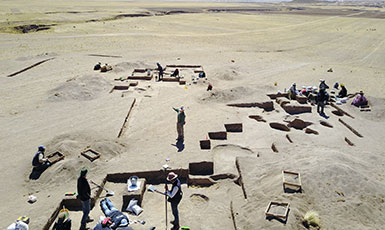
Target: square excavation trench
{"points": [[91, 154], [55, 157], [141, 74], [291, 181], [234, 127], [222, 135], [277, 210]]}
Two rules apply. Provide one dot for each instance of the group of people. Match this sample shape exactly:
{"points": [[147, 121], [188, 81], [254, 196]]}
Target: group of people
{"points": [[320, 96], [115, 219], [161, 72]]}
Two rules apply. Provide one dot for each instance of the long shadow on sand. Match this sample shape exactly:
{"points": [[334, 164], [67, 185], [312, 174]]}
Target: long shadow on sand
{"points": [[179, 145], [36, 173]]}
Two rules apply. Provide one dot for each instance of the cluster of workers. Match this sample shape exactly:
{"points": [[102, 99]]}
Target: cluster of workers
{"points": [[114, 219], [320, 96]]}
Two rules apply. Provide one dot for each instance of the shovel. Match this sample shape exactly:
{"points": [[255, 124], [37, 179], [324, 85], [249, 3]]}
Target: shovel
{"points": [[108, 193]]}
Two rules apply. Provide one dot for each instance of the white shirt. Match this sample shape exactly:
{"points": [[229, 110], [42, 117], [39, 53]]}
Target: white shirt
{"points": [[18, 225]]}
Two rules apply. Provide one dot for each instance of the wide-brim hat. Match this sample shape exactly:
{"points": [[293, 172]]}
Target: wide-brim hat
{"points": [[172, 176]]}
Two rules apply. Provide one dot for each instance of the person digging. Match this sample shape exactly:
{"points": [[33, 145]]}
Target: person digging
{"points": [[174, 197]]}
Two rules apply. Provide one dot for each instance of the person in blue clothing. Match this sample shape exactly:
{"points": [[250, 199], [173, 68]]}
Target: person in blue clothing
{"points": [[118, 219], [160, 71], [322, 98], [39, 162], [174, 197]]}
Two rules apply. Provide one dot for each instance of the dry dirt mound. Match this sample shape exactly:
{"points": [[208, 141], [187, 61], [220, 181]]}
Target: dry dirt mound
{"points": [[80, 88], [71, 145], [128, 67], [226, 95], [227, 73]]}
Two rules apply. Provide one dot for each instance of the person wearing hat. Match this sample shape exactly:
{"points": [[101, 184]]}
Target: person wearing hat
{"points": [[292, 92], [84, 194], [343, 92], [160, 70], [63, 221], [174, 197], [181, 121], [323, 84], [39, 162], [117, 218], [20, 224]]}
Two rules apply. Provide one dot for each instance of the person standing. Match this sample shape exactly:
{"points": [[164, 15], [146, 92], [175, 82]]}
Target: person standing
{"points": [[174, 197], [322, 98], [84, 194], [39, 162], [180, 122], [160, 70]]}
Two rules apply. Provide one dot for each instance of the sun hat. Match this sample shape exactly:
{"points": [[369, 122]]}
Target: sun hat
{"points": [[83, 171], [171, 176], [41, 147], [182, 108]]}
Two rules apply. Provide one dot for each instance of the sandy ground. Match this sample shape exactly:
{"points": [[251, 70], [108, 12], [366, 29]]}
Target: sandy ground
{"points": [[68, 107]]}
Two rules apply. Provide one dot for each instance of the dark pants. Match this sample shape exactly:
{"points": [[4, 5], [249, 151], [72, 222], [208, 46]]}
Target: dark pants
{"points": [[160, 76], [86, 210], [175, 213], [321, 104], [42, 167]]}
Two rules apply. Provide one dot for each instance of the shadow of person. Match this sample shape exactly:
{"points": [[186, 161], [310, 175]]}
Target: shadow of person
{"points": [[36, 172], [179, 145]]}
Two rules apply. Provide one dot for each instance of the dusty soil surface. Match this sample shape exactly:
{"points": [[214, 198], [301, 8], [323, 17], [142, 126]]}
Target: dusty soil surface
{"points": [[247, 51]]}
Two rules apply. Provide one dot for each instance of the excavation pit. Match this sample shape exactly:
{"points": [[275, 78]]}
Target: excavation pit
{"points": [[135, 194], [203, 168], [274, 148], [276, 95], [55, 157], [267, 106], [234, 127], [350, 128], [296, 109], [277, 210], [141, 74], [311, 131], [349, 142], [119, 87], [291, 181], [337, 113], [299, 124], [326, 124], [257, 118], [301, 99], [288, 138], [279, 126], [222, 135], [205, 144], [91, 154]]}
